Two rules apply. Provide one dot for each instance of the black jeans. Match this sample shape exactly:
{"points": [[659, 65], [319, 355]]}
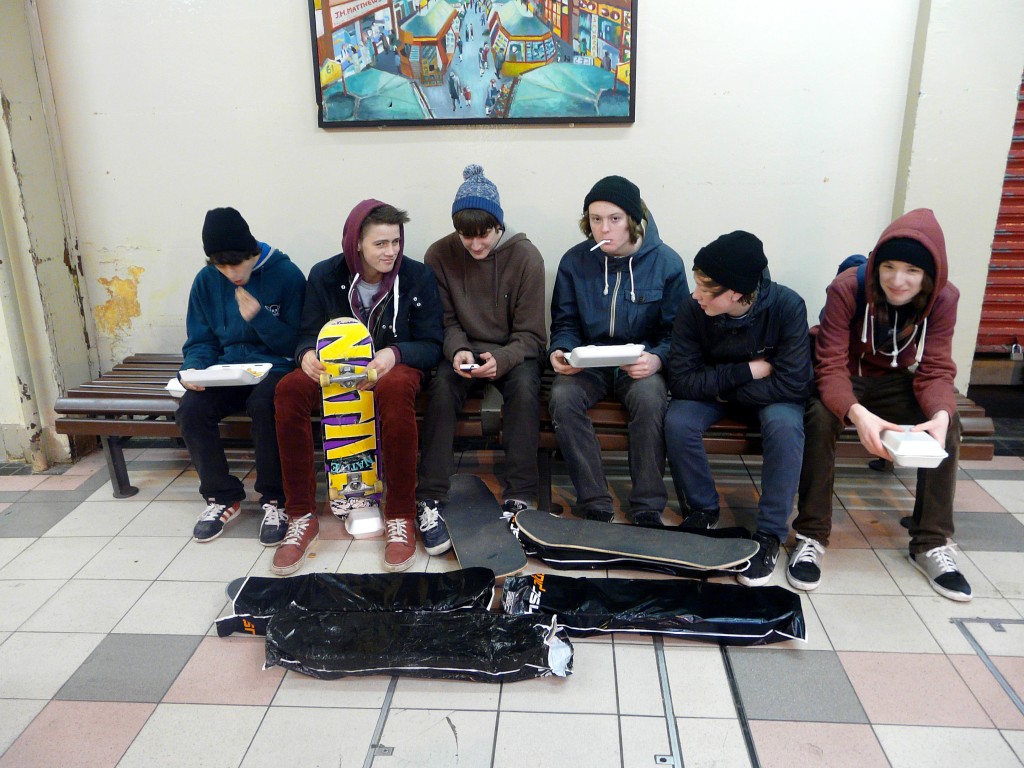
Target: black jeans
{"points": [[520, 426], [890, 397], [198, 416]]}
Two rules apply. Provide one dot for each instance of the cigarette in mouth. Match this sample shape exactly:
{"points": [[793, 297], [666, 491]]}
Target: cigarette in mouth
{"points": [[600, 244]]}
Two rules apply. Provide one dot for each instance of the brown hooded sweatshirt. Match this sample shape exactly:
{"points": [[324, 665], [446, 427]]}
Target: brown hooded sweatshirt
{"points": [[845, 347], [493, 305]]}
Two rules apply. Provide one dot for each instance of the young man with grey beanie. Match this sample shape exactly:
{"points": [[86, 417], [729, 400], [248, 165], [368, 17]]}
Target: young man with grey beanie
{"points": [[624, 288], [491, 280], [740, 349]]}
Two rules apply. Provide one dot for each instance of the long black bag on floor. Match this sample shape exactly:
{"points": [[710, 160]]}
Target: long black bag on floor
{"points": [[727, 614], [261, 597], [467, 645]]}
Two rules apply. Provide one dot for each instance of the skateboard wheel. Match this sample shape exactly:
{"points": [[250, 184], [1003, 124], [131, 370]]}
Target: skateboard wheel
{"points": [[333, 494], [378, 487], [325, 379], [371, 375]]}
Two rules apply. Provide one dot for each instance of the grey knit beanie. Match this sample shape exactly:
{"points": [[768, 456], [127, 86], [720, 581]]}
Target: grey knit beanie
{"points": [[477, 191]]}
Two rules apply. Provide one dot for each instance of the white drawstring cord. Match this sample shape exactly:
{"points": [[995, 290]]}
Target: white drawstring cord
{"points": [[632, 286]]}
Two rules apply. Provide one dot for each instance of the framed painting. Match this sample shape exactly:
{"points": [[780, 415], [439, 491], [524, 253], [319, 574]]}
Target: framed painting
{"points": [[473, 62]]}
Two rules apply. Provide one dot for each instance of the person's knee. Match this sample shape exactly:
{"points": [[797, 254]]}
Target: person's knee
{"points": [[192, 410], [566, 396]]}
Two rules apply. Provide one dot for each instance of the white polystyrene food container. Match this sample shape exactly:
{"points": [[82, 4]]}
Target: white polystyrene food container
{"points": [[227, 375], [597, 356], [913, 449]]}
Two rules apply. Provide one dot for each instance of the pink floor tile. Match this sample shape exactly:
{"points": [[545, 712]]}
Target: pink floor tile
{"points": [[836, 745], [989, 693], [226, 670], [62, 482], [971, 497], [20, 482], [90, 734], [912, 689], [881, 527]]}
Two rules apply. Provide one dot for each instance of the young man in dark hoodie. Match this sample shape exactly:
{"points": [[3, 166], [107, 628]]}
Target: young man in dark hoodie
{"points": [[491, 281], [739, 348], [623, 289], [396, 298], [885, 360], [244, 307]]}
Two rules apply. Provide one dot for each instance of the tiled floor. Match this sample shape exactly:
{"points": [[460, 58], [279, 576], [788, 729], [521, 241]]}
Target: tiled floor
{"points": [[108, 654]]}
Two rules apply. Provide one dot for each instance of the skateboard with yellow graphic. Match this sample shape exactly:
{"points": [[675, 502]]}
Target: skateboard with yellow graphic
{"points": [[349, 426]]}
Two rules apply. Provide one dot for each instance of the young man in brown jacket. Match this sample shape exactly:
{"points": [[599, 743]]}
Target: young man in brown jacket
{"points": [[491, 281]]}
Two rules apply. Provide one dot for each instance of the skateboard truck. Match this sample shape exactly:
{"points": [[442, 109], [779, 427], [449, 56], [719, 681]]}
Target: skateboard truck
{"points": [[347, 377]]}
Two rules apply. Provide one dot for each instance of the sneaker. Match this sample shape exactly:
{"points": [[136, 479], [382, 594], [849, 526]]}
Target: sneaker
{"points": [[648, 517], [939, 565], [804, 571], [435, 533], [701, 520], [211, 523], [599, 515], [512, 507], [302, 533], [762, 564], [275, 524], [400, 550], [341, 507]]}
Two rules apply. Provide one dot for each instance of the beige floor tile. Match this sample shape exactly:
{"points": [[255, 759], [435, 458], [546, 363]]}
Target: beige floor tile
{"points": [[972, 497], [174, 608], [538, 740], [782, 744], [297, 690], [591, 687], [1005, 570], [881, 527], [912, 582], [160, 741], [333, 738], [83, 605], [34, 665], [414, 693], [914, 746], [56, 558], [220, 560], [698, 683], [639, 687], [367, 556], [20, 599], [133, 557], [709, 743], [644, 740], [1016, 741], [429, 737], [854, 572], [166, 518], [10, 549], [873, 623], [149, 483], [15, 715], [91, 518], [1009, 493], [936, 612]]}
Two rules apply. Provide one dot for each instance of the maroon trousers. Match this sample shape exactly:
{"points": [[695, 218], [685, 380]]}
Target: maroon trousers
{"points": [[297, 397]]}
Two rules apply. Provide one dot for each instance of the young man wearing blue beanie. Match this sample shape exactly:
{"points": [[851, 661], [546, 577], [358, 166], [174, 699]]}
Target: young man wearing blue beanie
{"points": [[491, 280]]}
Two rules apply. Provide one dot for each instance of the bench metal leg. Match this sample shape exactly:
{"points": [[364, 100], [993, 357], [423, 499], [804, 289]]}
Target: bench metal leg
{"points": [[113, 452], [544, 479]]}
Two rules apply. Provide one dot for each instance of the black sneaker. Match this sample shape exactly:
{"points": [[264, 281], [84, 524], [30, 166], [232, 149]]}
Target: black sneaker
{"points": [[939, 565], [512, 507], [211, 523], [275, 525], [762, 564], [649, 518], [700, 520], [804, 571], [431, 524]]}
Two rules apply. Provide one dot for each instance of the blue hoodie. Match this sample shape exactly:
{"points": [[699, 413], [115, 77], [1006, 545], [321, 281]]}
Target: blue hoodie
{"points": [[218, 334], [643, 292]]}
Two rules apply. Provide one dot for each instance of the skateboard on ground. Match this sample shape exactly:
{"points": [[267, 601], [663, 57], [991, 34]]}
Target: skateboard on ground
{"points": [[349, 426], [571, 543], [480, 536]]}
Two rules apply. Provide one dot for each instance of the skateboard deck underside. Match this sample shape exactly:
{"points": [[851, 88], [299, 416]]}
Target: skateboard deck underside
{"points": [[349, 422], [480, 536], [673, 548]]}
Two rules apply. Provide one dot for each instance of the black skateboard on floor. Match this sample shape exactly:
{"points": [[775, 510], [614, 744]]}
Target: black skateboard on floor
{"points": [[480, 536], [566, 542]]}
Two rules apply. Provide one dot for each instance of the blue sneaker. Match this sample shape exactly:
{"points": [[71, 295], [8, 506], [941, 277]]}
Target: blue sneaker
{"points": [[211, 523], [431, 524]]}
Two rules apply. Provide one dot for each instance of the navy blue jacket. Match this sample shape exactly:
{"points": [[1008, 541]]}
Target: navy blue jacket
{"points": [[638, 309], [216, 331], [710, 355], [414, 329]]}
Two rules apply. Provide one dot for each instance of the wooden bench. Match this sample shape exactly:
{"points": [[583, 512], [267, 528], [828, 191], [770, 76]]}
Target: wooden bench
{"points": [[130, 402]]}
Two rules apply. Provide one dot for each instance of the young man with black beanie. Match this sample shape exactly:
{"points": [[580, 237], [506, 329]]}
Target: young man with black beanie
{"points": [[624, 288], [244, 307], [739, 349]]}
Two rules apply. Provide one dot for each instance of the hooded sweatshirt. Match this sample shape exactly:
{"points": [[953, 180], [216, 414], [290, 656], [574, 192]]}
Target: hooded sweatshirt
{"points": [[601, 299], [217, 332], [406, 310], [847, 343], [710, 356], [495, 304]]}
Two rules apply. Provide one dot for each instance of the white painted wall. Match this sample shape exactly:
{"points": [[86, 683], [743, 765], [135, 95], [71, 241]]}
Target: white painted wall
{"points": [[783, 118]]}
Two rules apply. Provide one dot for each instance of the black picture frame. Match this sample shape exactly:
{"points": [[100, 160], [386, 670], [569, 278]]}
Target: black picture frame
{"points": [[398, 63]]}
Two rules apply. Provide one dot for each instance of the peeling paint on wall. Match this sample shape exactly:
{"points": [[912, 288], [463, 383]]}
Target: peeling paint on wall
{"points": [[115, 315]]}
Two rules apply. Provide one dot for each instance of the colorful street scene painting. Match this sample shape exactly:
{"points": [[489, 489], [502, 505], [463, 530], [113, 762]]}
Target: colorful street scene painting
{"points": [[435, 62]]}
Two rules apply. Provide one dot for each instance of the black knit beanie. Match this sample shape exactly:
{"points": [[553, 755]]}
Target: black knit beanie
{"points": [[906, 249], [735, 260], [226, 230], [618, 191]]}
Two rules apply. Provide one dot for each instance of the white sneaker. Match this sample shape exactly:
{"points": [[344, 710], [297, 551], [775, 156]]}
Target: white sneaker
{"points": [[939, 566], [804, 571]]}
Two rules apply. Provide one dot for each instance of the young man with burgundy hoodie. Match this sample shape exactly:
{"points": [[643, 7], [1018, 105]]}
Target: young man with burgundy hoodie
{"points": [[884, 361], [396, 298]]}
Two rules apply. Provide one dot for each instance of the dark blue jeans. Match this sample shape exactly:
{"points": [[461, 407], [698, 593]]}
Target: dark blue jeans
{"points": [[645, 400], [198, 416], [782, 438]]}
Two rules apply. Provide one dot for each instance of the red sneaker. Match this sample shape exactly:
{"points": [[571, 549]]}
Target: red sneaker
{"points": [[400, 550], [302, 533]]}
